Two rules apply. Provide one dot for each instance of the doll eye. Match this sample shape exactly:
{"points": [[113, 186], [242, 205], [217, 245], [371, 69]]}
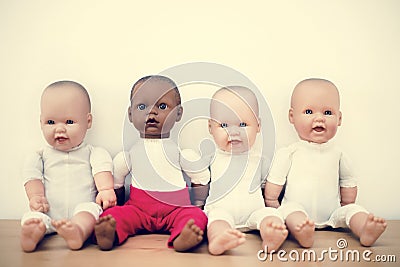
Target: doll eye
{"points": [[141, 107], [308, 111], [163, 106], [69, 122], [50, 122], [328, 112], [224, 125], [242, 124]]}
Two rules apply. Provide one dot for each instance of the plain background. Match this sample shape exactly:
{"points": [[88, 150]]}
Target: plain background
{"points": [[108, 45]]}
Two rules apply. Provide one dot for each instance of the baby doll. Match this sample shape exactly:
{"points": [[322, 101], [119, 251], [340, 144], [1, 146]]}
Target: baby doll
{"points": [[159, 198], [321, 186], [234, 125], [68, 182]]}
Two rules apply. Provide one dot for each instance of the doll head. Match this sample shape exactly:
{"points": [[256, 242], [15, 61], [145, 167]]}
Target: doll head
{"points": [[155, 106], [65, 114], [234, 122], [315, 110]]}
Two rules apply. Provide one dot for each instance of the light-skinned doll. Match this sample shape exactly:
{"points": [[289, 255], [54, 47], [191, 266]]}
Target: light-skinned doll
{"points": [[231, 207], [321, 186], [68, 182], [159, 200]]}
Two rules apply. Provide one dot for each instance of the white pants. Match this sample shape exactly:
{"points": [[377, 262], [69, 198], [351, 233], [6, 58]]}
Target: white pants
{"points": [[240, 222], [90, 207], [340, 217]]}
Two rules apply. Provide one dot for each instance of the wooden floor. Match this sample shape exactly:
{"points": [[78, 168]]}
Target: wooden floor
{"points": [[151, 250]]}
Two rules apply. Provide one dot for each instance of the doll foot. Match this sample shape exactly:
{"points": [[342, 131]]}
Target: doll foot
{"points": [[372, 230], [71, 233], [273, 235], [105, 232], [190, 236], [32, 231], [227, 240], [304, 233]]}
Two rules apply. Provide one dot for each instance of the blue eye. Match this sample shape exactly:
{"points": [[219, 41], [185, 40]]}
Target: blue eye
{"points": [[163, 106], [69, 122], [224, 125], [328, 112], [50, 122], [141, 107], [308, 111], [242, 124]]}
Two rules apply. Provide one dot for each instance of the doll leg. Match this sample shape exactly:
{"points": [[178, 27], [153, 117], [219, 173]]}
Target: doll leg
{"points": [[298, 223], [77, 230], [221, 235], [187, 226], [364, 225], [33, 229], [272, 228]]}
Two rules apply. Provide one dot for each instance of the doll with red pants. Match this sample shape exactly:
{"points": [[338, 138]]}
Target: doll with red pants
{"points": [[159, 197]]}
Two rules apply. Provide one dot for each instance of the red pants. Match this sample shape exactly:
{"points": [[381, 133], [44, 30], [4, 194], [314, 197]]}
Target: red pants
{"points": [[144, 213]]}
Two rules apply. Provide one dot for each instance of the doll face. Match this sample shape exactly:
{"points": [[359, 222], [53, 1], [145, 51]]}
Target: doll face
{"points": [[154, 109], [315, 111], [65, 116], [233, 124]]}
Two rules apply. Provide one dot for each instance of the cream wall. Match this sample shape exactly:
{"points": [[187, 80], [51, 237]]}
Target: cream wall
{"points": [[107, 45]]}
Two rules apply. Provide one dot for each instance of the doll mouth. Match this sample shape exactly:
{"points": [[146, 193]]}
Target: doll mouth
{"points": [[151, 122], [318, 129], [61, 139]]}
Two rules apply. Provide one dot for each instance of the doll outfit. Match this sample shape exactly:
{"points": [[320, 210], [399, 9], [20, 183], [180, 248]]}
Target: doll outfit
{"points": [[68, 180], [235, 195], [159, 198], [314, 174]]}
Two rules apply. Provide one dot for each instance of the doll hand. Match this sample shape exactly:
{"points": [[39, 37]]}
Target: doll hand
{"points": [[39, 203], [106, 198], [272, 203]]}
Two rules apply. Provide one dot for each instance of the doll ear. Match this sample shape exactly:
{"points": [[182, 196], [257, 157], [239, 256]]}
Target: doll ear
{"points": [[259, 124], [291, 115], [90, 119], [179, 113], [340, 118], [209, 126], [130, 114]]}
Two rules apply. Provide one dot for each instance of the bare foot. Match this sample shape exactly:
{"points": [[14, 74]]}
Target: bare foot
{"points": [[228, 239], [373, 228], [105, 232], [304, 233], [190, 236], [273, 236], [71, 233], [32, 231]]}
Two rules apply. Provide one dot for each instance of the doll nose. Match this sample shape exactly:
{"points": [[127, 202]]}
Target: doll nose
{"points": [[233, 130], [319, 118], [60, 128]]}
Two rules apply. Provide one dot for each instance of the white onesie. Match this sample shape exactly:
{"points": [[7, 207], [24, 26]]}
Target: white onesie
{"points": [[235, 194], [314, 174], [68, 180]]}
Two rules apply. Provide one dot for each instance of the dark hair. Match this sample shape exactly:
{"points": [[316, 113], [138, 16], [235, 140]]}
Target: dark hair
{"points": [[158, 78]]}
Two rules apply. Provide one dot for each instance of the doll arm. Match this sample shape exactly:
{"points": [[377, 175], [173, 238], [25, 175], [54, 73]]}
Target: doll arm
{"points": [[195, 167], [347, 181], [32, 173], [277, 176], [121, 168], [271, 193], [348, 195], [104, 183], [101, 163], [35, 191], [197, 170]]}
